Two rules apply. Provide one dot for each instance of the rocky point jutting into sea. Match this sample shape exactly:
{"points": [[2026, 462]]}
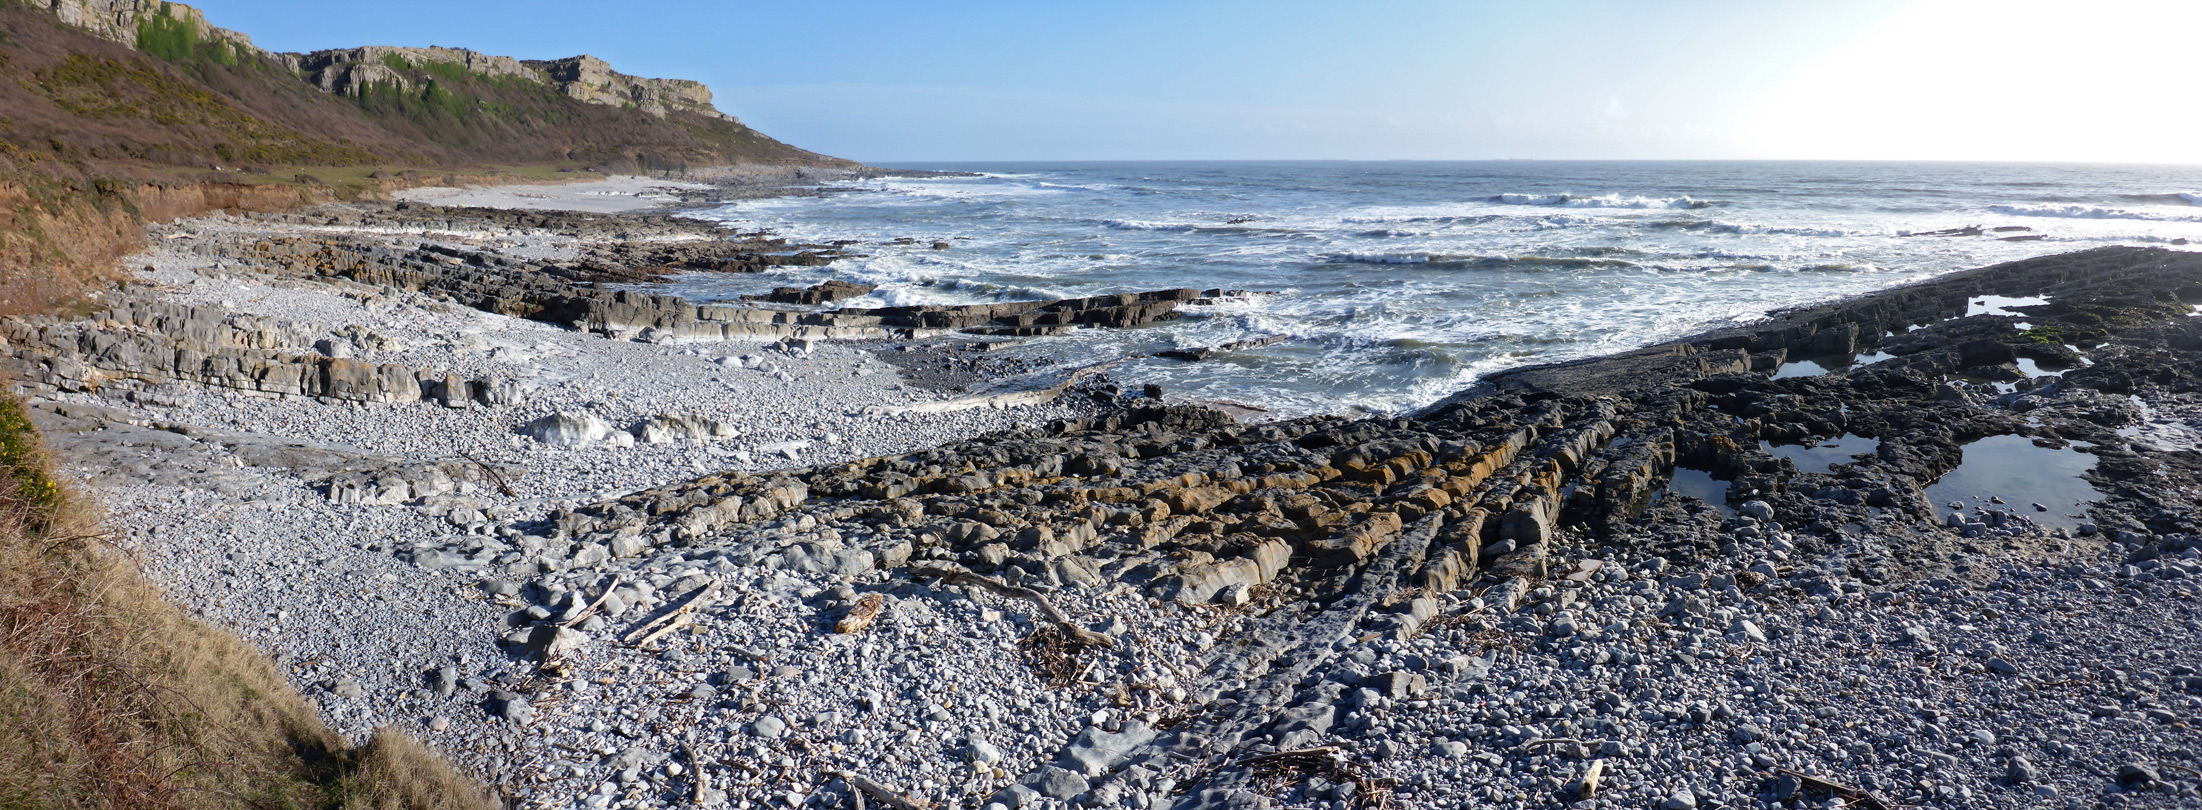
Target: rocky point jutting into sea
{"points": [[617, 495], [609, 548]]}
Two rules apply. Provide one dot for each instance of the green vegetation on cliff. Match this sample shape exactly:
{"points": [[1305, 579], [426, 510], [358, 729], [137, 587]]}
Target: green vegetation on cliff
{"points": [[95, 137]]}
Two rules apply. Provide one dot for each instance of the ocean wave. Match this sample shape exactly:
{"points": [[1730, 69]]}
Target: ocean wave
{"points": [[2127, 239], [1463, 261], [1603, 201], [1560, 221], [2172, 198], [1717, 253], [1755, 229], [1239, 225], [960, 291], [2090, 212], [1142, 225], [1417, 218]]}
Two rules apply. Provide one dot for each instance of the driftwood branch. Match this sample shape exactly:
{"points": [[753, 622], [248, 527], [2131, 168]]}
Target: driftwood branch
{"points": [[861, 616], [1863, 798], [885, 795], [695, 766], [999, 588], [593, 606], [1589, 787], [494, 476], [671, 620]]}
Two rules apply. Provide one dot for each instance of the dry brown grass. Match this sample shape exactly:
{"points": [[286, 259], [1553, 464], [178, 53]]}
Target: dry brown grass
{"points": [[396, 773], [110, 697]]}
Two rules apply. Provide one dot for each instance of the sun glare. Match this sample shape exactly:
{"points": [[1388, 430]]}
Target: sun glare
{"points": [[1990, 80]]}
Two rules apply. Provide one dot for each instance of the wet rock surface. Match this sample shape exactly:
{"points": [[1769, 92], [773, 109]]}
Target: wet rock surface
{"points": [[1111, 600]]}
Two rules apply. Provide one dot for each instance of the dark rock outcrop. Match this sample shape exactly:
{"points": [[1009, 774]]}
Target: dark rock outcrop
{"points": [[1196, 508], [826, 293]]}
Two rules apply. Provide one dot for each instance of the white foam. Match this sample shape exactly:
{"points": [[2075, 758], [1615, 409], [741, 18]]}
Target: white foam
{"points": [[908, 296], [1755, 229], [1554, 221], [1432, 214], [1602, 201], [977, 189], [1378, 258], [2089, 212], [1139, 225], [1717, 253], [1401, 295]]}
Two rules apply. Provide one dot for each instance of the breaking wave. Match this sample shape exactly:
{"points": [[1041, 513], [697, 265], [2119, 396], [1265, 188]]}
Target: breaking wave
{"points": [[1468, 261], [1140, 225], [1603, 201], [2090, 212]]}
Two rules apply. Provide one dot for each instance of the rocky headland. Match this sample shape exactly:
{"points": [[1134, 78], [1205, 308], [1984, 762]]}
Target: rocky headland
{"points": [[460, 471]]}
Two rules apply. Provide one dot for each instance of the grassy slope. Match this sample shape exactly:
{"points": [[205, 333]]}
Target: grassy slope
{"points": [[111, 697], [96, 106], [500, 119], [96, 139]]}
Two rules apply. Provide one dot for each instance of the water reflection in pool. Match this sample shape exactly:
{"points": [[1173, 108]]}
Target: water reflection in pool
{"points": [[1813, 367], [1824, 456], [1999, 305], [1701, 485], [2022, 474]]}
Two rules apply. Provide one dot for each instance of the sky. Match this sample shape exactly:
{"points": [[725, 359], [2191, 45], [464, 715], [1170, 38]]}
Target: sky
{"points": [[885, 82]]}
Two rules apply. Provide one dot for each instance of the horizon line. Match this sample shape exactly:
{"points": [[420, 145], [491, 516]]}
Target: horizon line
{"points": [[2019, 161]]}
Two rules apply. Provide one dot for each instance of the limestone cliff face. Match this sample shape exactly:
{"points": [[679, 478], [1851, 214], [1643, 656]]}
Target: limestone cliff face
{"points": [[350, 71], [592, 80], [122, 20]]}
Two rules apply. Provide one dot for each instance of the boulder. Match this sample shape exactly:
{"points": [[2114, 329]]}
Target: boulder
{"points": [[1095, 752], [568, 429], [826, 293], [675, 428]]}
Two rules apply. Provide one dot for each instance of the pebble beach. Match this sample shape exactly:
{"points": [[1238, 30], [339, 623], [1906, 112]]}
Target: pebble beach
{"points": [[541, 584]]}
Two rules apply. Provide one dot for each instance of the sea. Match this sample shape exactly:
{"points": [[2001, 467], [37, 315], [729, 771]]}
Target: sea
{"points": [[1398, 283]]}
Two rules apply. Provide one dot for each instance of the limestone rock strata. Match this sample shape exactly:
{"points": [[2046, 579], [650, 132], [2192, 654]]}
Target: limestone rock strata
{"points": [[826, 293], [118, 20], [2094, 285], [157, 343], [1196, 508], [1337, 528], [213, 459], [592, 80], [350, 71], [494, 283], [1202, 508], [347, 70]]}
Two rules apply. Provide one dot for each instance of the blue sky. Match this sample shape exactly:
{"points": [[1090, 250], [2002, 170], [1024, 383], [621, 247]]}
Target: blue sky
{"points": [[896, 82]]}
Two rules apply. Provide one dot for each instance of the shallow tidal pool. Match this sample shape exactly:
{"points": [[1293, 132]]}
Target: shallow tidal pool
{"points": [[2022, 474]]}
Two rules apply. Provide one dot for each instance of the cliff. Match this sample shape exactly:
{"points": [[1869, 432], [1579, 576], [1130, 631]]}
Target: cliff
{"points": [[155, 27], [116, 112]]}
